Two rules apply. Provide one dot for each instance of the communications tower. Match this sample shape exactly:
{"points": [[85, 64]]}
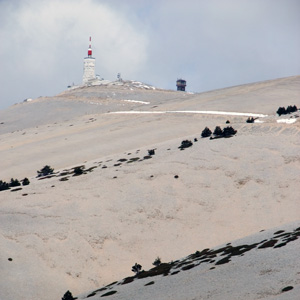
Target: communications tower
{"points": [[89, 66]]}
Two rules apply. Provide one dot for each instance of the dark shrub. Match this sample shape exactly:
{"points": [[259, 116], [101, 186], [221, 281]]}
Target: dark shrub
{"points": [[162, 269], [128, 280], [4, 185], [14, 182], [229, 131], [91, 295], [47, 170], [188, 267], [67, 296], [218, 131], [291, 109], [185, 144], [281, 111], [250, 120], [287, 288], [78, 171], [157, 262], [288, 109], [64, 178], [226, 132], [227, 122], [16, 189], [151, 151], [109, 293], [25, 181], [137, 268], [122, 159], [206, 132]]}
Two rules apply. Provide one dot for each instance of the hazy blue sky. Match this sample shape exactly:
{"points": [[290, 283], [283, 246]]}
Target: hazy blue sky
{"points": [[210, 43]]}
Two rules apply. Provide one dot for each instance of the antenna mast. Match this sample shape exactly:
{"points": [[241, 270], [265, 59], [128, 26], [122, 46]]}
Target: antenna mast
{"points": [[90, 48]]}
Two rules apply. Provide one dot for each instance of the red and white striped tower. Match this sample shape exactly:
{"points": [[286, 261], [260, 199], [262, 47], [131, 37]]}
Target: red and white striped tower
{"points": [[90, 48], [89, 66]]}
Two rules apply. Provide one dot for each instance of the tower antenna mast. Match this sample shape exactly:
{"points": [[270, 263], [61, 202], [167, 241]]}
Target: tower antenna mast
{"points": [[90, 48]]}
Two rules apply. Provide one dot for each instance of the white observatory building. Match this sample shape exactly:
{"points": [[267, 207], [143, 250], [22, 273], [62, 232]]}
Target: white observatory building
{"points": [[89, 67]]}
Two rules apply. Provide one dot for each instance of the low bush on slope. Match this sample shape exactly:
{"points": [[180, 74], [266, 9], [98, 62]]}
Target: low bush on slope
{"points": [[47, 170], [13, 183], [284, 111]]}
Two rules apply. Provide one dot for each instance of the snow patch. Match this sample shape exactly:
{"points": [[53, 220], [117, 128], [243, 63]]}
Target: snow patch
{"points": [[136, 101], [287, 121], [221, 113], [192, 112], [137, 112], [96, 103]]}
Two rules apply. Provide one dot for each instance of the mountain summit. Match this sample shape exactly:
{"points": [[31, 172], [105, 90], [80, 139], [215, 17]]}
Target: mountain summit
{"points": [[133, 178]]}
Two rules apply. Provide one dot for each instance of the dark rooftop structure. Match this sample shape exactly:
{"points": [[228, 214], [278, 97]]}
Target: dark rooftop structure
{"points": [[181, 84]]}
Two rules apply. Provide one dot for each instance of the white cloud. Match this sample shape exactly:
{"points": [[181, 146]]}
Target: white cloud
{"points": [[45, 42], [212, 44], [220, 43]]}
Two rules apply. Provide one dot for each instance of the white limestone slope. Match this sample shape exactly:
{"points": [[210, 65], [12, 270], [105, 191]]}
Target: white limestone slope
{"points": [[82, 232], [261, 266]]}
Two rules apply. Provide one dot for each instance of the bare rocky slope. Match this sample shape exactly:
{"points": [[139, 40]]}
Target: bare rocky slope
{"points": [[261, 266], [83, 232]]}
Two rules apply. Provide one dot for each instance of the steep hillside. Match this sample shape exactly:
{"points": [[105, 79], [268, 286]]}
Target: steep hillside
{"points": [[262, 266], [81, 232]]}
